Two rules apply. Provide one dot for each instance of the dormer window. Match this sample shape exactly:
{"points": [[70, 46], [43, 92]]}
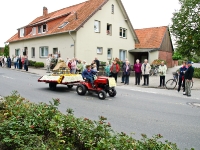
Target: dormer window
{"points": [[42, 28], [112, 9], [33, 30], [63, 25], [21, 32]]}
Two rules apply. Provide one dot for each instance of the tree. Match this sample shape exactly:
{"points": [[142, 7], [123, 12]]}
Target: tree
{"points": [[186, 28], [6, 50]]}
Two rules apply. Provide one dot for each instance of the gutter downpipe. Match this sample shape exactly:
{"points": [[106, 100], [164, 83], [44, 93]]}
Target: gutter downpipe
{"points": [[74, 44]]}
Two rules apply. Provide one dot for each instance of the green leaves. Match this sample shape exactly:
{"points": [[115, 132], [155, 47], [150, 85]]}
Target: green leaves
{"points": [[186, 28], [26, 125]]}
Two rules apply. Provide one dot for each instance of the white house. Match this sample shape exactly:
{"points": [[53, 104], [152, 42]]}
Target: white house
{"points": [[95, 28]]}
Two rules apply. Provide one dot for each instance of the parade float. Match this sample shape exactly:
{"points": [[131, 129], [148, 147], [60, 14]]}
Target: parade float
{"points": [[61, 75]]}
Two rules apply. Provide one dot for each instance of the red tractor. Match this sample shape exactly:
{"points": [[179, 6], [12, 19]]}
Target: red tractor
{"points": [[102, 86]]}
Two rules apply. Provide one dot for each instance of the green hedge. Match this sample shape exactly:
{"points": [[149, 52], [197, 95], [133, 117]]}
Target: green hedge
{"points": [[39, 64], [196, 73], [26, 125], [31, 63], [180, 62]]}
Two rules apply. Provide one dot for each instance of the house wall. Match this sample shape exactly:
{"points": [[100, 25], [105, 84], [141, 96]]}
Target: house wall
{"points": [[153, 55], [88, 40], [166, 43], [167, 56], [62, 41]]}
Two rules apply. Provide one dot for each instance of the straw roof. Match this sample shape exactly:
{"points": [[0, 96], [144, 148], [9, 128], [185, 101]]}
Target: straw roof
{"points": [[60, 65]]}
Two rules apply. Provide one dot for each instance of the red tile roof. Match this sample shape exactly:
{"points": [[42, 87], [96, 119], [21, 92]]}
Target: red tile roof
{"points": [[150, 37], [83, 11]]}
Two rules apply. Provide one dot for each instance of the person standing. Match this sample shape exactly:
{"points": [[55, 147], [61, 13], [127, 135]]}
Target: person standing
{"points": [[145, 72], [114, 69], [5, 61], [9, 62], [97, 63], [124, 62], [26, 63], [162, 71], [73, 66], [181, 80], [126, 72], [15, 62], [107, 69], [188, 79], [79, 67], [53, 62], [137, 69], [20, 62], [84, 65], [48, 63]]}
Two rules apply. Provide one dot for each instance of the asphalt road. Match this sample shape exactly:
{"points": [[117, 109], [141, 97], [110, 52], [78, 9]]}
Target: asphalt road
{"points": [[138, 110]]}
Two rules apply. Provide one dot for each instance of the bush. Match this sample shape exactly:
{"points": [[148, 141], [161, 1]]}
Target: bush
{"points": [[196, 73], [26, 125], [180, 62], [31, 63], [39, 64], [157, 62], [176, 56]]}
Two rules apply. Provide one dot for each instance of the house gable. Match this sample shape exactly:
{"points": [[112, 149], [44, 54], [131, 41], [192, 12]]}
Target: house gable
{"points": [[166, 44]]}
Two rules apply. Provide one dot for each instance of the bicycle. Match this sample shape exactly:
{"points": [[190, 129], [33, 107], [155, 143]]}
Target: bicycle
{"points": [[171, 83], [154, 71]]}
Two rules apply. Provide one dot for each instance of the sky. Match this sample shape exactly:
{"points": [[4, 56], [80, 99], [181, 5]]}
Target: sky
{"points": [[142, 13]]}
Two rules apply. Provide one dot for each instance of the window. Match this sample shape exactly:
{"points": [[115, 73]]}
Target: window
{"points": [[122, 55], [63, 25], [44, 51], [17, 52], [33, 52], [109, 29], [55, 50], [34, 30], [21, 32], [122, 32], [96, 26], [42, 28], [109, 53], [99, 50], [112, 9], [39, 29]]}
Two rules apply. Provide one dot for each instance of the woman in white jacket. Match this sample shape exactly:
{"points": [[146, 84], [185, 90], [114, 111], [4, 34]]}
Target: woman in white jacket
{"points": [[162, 71]]}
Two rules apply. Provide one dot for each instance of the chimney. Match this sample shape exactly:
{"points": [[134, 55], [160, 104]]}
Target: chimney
{"points": [[45, 11]]}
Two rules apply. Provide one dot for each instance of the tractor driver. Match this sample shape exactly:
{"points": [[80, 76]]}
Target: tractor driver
{"points": [[88, 74]]}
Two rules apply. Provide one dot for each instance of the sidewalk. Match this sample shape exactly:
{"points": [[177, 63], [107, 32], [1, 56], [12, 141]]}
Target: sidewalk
{"points": [[153, 80]]}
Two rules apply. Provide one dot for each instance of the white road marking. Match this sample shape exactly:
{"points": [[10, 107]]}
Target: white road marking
{"points": [[7, 77]]}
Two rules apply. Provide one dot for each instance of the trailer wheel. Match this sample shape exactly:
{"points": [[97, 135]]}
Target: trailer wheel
{"points": [[102, 94], [52, 86], [81, 89], [69, 86]]}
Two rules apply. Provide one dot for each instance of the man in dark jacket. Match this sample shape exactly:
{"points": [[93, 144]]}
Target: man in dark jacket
{"points": [[188, 79], [97, 63], [88, 74]]}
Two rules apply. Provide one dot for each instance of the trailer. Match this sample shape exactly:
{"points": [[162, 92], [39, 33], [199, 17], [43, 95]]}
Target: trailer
{"points": [[66, 79]]}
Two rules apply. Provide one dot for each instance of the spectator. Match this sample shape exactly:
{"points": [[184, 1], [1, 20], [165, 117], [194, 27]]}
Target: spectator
{"points": [[15, 62], [93, 62], [5, 61], [95, 67], [79, 67], [162, 71], [97, 63], [26, 63], [48, 63], [107, 69], [73, 66], [137, 69], [114, 69], [9, 62], [124, 62], [69, 65], [181, 80], [188, 79], [126, 72], [20, 62], [53, 62], [145, 72], [67, 61], [84, 65]]}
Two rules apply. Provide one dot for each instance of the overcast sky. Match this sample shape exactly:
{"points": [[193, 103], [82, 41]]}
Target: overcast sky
{"points": [[142, 13]]}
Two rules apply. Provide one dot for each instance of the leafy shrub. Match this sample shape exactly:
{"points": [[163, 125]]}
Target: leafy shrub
{"points": [[196, 59], [176, 56], [26, 125], [196, 73], [39, 64], [31, 63], [157, 62], [180, 62]]}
